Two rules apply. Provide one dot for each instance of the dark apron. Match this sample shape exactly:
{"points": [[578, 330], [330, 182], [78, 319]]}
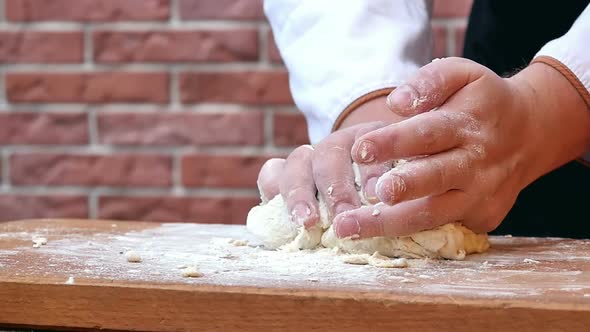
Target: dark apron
{"points": [[504, 36]]}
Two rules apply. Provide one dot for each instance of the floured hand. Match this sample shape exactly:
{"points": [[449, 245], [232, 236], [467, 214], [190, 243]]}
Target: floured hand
{"points": [[475, 140]]}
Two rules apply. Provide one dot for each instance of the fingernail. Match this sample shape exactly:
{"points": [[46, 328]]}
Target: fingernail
{"points": [[300, 213], [365, 151], [402, 98], [343, 207], [390, 187], [347, 226], [370, 191]]}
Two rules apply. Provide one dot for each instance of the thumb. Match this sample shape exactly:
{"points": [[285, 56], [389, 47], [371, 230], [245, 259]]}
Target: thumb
{"points": [[432, 85]]}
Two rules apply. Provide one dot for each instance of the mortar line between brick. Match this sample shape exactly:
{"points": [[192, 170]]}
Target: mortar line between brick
{"points": [[263, 44], [93, 139], [134, 192], [248, 150], [92, 205], [115, 108], [139, 67], [2, 11], [174, 22], [451, 42], [177, 187], [133, 26], [5, 154], [174, 92], [88, 48], [174, 14], [451, 21], [3, 102], [268, 128]]}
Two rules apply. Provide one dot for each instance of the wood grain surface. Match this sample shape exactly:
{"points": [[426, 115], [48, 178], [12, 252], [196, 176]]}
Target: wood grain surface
{"points": [[80, 280]]}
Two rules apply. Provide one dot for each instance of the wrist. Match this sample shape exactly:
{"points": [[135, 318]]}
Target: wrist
{"points": [[558, 128], [369, 111]]}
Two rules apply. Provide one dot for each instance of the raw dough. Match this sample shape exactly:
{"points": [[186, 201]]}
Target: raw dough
{"points": [[358, 259], [238, 243], [191, 272], [39, 241], [132, 257], [376, 260], [270, 222]]}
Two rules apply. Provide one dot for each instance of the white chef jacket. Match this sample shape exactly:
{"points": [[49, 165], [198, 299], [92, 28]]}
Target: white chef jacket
{"points": [[337, 51]]}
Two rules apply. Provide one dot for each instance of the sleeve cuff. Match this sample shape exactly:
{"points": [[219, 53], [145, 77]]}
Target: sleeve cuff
{"points": [[568, 74], [575, 82]]}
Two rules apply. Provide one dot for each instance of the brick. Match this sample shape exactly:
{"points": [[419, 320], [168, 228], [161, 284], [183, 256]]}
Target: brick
{"points": [[91, 170], [95, 87], [41, 47], [227, 171], [43, 128], [16, 207], [221, 9], [289, 129], [210, 210], [176, 46], [459, 40], [87, 10], [439, 42], [452, 8], [252, 87], [273, 51], [181, 128]]}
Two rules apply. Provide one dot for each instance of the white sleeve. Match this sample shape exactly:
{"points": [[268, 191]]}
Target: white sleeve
{"points": [[572, 51], [339, 50]]}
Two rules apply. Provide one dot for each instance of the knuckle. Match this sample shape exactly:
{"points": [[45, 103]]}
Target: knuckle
{"points": [[440, 173], [301, 152], [297, 193], [271, 168], [366, 128], [426, 79], [376, 170], [321, 169], [427, 136]]}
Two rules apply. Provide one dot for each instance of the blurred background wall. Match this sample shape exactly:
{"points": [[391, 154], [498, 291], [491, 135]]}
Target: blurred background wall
{"points": [[157, 110]]}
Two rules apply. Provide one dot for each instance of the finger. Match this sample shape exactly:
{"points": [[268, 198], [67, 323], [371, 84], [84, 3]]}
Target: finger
{"points": [[432, 175], [432, 85], [369, 174], [269, 178], [403, 219], [298, 188], [333, 173], [423, 134]]}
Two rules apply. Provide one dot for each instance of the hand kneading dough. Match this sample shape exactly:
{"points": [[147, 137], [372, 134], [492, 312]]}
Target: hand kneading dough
{"points": [[270, 222]]}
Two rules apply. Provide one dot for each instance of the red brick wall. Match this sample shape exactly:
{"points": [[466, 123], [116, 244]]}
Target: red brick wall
{"points": [[147, 109]]}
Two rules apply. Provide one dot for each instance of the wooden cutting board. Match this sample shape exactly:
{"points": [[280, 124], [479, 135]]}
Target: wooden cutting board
{"points": [[81, 280]]}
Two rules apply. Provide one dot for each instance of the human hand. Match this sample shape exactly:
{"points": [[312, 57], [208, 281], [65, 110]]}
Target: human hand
{"points": [[475, 140], [325, 169]]}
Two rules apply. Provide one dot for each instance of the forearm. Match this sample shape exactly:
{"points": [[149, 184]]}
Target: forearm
{"points": [[372, 110], [560, 119]]}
